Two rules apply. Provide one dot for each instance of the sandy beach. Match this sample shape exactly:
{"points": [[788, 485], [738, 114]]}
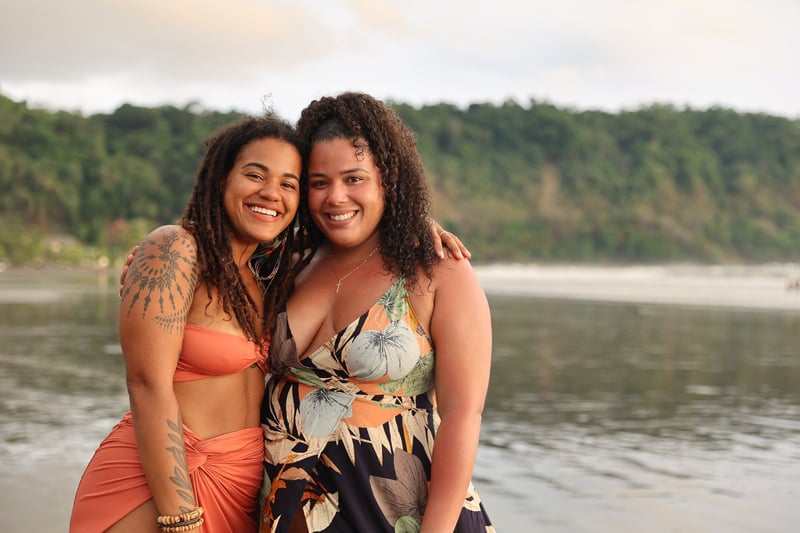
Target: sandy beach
{"points": [[37, 498]]}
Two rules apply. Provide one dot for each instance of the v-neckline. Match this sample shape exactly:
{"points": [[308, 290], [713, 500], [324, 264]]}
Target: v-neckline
{"points": [[360, 317]]}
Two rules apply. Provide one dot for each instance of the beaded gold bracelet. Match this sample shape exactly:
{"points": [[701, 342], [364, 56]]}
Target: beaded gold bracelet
{"points": [[183, 519], [180, 527]]}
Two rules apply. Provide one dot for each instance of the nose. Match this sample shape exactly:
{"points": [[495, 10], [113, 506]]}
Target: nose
{"points": [[270, 189], [337, 193]]}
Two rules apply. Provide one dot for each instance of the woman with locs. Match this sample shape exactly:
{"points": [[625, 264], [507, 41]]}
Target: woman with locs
{"points": [[192, 321]]}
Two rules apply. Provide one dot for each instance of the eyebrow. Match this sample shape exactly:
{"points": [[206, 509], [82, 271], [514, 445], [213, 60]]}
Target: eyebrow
{"points": [[345, 171], [265, 168]]}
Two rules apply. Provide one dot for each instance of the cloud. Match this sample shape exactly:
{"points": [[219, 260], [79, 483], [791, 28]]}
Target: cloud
{"points": [[189, 40], [582, 53], [381, 15]]}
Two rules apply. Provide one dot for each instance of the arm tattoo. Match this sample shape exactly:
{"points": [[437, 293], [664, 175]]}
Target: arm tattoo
{"points": [[154, 277], [180, 477]]}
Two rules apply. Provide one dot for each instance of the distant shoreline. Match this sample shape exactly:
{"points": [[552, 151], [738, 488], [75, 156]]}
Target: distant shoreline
{"points": [[752, 287], [772, 286]]}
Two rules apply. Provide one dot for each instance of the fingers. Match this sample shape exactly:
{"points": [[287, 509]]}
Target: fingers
{"points": [[449, 236], [125, 268], [437, 245], [436, 232], [124, 273], [443, 238], [454, 244]]}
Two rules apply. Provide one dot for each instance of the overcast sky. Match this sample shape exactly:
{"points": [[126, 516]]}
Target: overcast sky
{"points": [[94, 55]]}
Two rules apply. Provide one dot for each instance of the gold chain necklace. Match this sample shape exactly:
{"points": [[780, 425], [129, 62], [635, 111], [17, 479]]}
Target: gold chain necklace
{"points": [[361, 264]]}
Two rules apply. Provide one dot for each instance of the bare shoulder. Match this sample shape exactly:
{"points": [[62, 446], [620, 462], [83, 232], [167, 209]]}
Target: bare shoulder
{"points": [[162, 278], [447, 274], [167, 243], [451, 272], [451, 279]]}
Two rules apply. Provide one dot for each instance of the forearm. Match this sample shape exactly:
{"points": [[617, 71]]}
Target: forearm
{"points": [[451, 470], [159, 438]]}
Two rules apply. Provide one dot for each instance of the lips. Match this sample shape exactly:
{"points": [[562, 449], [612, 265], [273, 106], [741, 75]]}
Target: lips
{"points": [[262, 210], [341, 217]]}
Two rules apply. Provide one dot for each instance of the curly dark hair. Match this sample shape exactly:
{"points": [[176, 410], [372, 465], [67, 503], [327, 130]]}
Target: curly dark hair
{"points": [[205, 217], [406, 241]]}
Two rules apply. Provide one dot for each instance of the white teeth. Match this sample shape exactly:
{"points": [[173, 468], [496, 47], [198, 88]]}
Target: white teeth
{"points": [[344, 216], [263, 211]]}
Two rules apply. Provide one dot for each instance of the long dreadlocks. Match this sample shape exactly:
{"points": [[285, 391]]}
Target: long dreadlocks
{"points": [[206, 219]]}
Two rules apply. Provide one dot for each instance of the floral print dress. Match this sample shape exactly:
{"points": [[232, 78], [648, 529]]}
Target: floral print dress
{"points": [[350, 429]]}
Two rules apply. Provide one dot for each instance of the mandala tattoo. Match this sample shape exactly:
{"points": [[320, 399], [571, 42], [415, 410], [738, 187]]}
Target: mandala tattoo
{"points": [[154, 279]]}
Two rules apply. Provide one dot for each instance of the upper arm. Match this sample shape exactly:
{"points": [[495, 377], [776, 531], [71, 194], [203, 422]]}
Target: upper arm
{"points": [[462, 335], [156, 298]]}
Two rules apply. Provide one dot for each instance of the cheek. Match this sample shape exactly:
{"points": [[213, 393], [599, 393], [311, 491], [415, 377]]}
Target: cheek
{"points": [[227, 189], [315, 199], [380, 206], [293, 202]]}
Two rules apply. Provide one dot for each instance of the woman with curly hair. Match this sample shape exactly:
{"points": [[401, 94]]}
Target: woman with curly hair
{"points": [[192, 322], [383, 348]]}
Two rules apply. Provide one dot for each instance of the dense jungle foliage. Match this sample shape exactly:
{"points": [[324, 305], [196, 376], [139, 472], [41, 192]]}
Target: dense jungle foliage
{"points": [[517, 182]]}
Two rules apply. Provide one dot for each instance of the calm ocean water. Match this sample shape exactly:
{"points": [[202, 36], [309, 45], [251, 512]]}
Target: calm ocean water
{"points": [[608, 415]]}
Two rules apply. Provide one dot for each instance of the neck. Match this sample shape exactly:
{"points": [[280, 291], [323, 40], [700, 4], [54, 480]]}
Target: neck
{"points": [[360, 263], [242, 254], [353, 253]]}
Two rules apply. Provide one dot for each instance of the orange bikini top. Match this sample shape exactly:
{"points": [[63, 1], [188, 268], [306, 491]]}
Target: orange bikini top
{"points": [[208, 352]]}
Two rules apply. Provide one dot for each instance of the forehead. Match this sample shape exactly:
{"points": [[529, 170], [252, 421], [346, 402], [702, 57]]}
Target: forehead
{"points": [[332, 153], [269, 149]]}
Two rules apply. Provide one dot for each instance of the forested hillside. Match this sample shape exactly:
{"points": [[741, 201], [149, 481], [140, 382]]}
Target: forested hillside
{"points": [[517, 182]]}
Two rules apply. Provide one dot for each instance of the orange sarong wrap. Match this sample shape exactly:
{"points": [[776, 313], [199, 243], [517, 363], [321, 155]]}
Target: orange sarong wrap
{"points": [[225, 471]]}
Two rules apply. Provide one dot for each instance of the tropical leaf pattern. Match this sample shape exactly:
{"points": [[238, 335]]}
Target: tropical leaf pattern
{"points": [[349, 430], [389, 352]]}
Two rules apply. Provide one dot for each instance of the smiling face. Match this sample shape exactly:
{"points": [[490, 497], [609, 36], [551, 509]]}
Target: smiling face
{"points": [[262, 191], [345, 194]]}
